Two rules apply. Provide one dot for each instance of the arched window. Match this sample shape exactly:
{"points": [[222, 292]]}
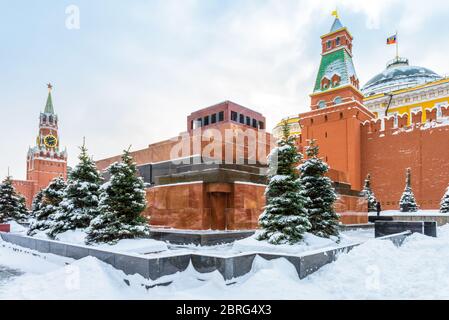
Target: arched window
{"points": [[337, 41], [322, 104], [338, 100], [325, 82]]}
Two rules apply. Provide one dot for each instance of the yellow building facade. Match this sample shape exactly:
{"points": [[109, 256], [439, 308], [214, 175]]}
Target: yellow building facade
{"points": [[432, 95]]}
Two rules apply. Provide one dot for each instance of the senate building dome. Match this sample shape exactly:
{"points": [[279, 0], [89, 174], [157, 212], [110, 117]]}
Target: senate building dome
{"points": [[398, 75]]}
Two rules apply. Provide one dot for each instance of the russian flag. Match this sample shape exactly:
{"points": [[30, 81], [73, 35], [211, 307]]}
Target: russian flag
{"points": [[392, 39]]}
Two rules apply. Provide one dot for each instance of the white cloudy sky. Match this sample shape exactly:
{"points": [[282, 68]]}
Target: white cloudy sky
{"points": [[135, 69]]}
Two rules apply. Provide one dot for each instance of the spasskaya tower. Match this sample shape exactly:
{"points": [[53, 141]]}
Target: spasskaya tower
{"points": [[46, 160]]}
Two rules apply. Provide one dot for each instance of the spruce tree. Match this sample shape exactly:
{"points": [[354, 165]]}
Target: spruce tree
{"points": [[12, 204], [45, 211], [81, 197], [36, 203], [369, 195], [122, 201], [284, 220], [445, 202], [408, 202], [320, 192]]}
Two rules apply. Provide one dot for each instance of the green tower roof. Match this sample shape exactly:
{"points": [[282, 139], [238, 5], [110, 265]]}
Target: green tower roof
{"points": [[337, 62], [49, 104]]}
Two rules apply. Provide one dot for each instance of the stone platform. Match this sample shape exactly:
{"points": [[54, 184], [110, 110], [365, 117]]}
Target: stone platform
{"points": [[203, 238], [385, 228], [424, 215], [153, 268]]}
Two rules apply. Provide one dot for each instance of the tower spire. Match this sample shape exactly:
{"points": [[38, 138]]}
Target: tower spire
{"points": [[49, 104], [337, 25]]}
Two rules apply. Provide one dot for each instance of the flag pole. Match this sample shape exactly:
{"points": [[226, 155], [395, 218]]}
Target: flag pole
{"points": [[397, 46]]}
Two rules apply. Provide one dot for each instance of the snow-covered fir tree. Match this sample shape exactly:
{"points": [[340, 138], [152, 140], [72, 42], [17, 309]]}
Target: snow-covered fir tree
{"points": [[408, 202], [320, 192], [369, 195], [284, 220], [36, 203], [48, 207], [81, 197], [122, 201], [12, 204], [444, 208]]}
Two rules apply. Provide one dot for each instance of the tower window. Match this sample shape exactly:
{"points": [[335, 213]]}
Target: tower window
{"points": [[206, 120], [338, 100], [328, 44], [322, 104], [248, 121], [234, 116], [213, 118], [341, 115], [254, 123], [261, 125], [242, 119], [221, 116], [337, 41], [325, 119]]}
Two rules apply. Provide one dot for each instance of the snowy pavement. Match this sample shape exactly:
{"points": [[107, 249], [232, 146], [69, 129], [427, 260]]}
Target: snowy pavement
{"points": [[375, 270]]}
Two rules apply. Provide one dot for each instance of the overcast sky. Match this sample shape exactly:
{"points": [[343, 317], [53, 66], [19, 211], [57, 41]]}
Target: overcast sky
{"points": [[134, 70]]}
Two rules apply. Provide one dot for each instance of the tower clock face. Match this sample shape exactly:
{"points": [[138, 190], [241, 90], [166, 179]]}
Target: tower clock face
{"points": [[50, 141]]}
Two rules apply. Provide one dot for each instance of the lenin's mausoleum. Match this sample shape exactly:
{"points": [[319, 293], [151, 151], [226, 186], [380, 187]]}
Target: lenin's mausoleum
{"points": [[398, 120]]}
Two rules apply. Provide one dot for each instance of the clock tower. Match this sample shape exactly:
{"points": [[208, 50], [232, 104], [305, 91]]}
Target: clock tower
{"points": [[46, 160]]}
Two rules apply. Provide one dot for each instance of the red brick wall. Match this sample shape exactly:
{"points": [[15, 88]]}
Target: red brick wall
{"points": [[337, 132], [26, 189], [387, 154]]}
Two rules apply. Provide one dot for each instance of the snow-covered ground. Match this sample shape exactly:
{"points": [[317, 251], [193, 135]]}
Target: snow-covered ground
{"points": [[375, 270], [135, 246]]}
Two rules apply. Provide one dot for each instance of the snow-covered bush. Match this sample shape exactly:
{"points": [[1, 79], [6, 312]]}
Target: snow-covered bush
{"points": [[284, 220], [369, 195], [444, 208], [12, 204], [44, 211], [81, 196], [408, 202], [319, 190], [122, 201]]}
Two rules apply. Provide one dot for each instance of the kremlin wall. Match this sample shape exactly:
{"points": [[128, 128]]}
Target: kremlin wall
{"points": [[423, 147], [213, 175]]}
